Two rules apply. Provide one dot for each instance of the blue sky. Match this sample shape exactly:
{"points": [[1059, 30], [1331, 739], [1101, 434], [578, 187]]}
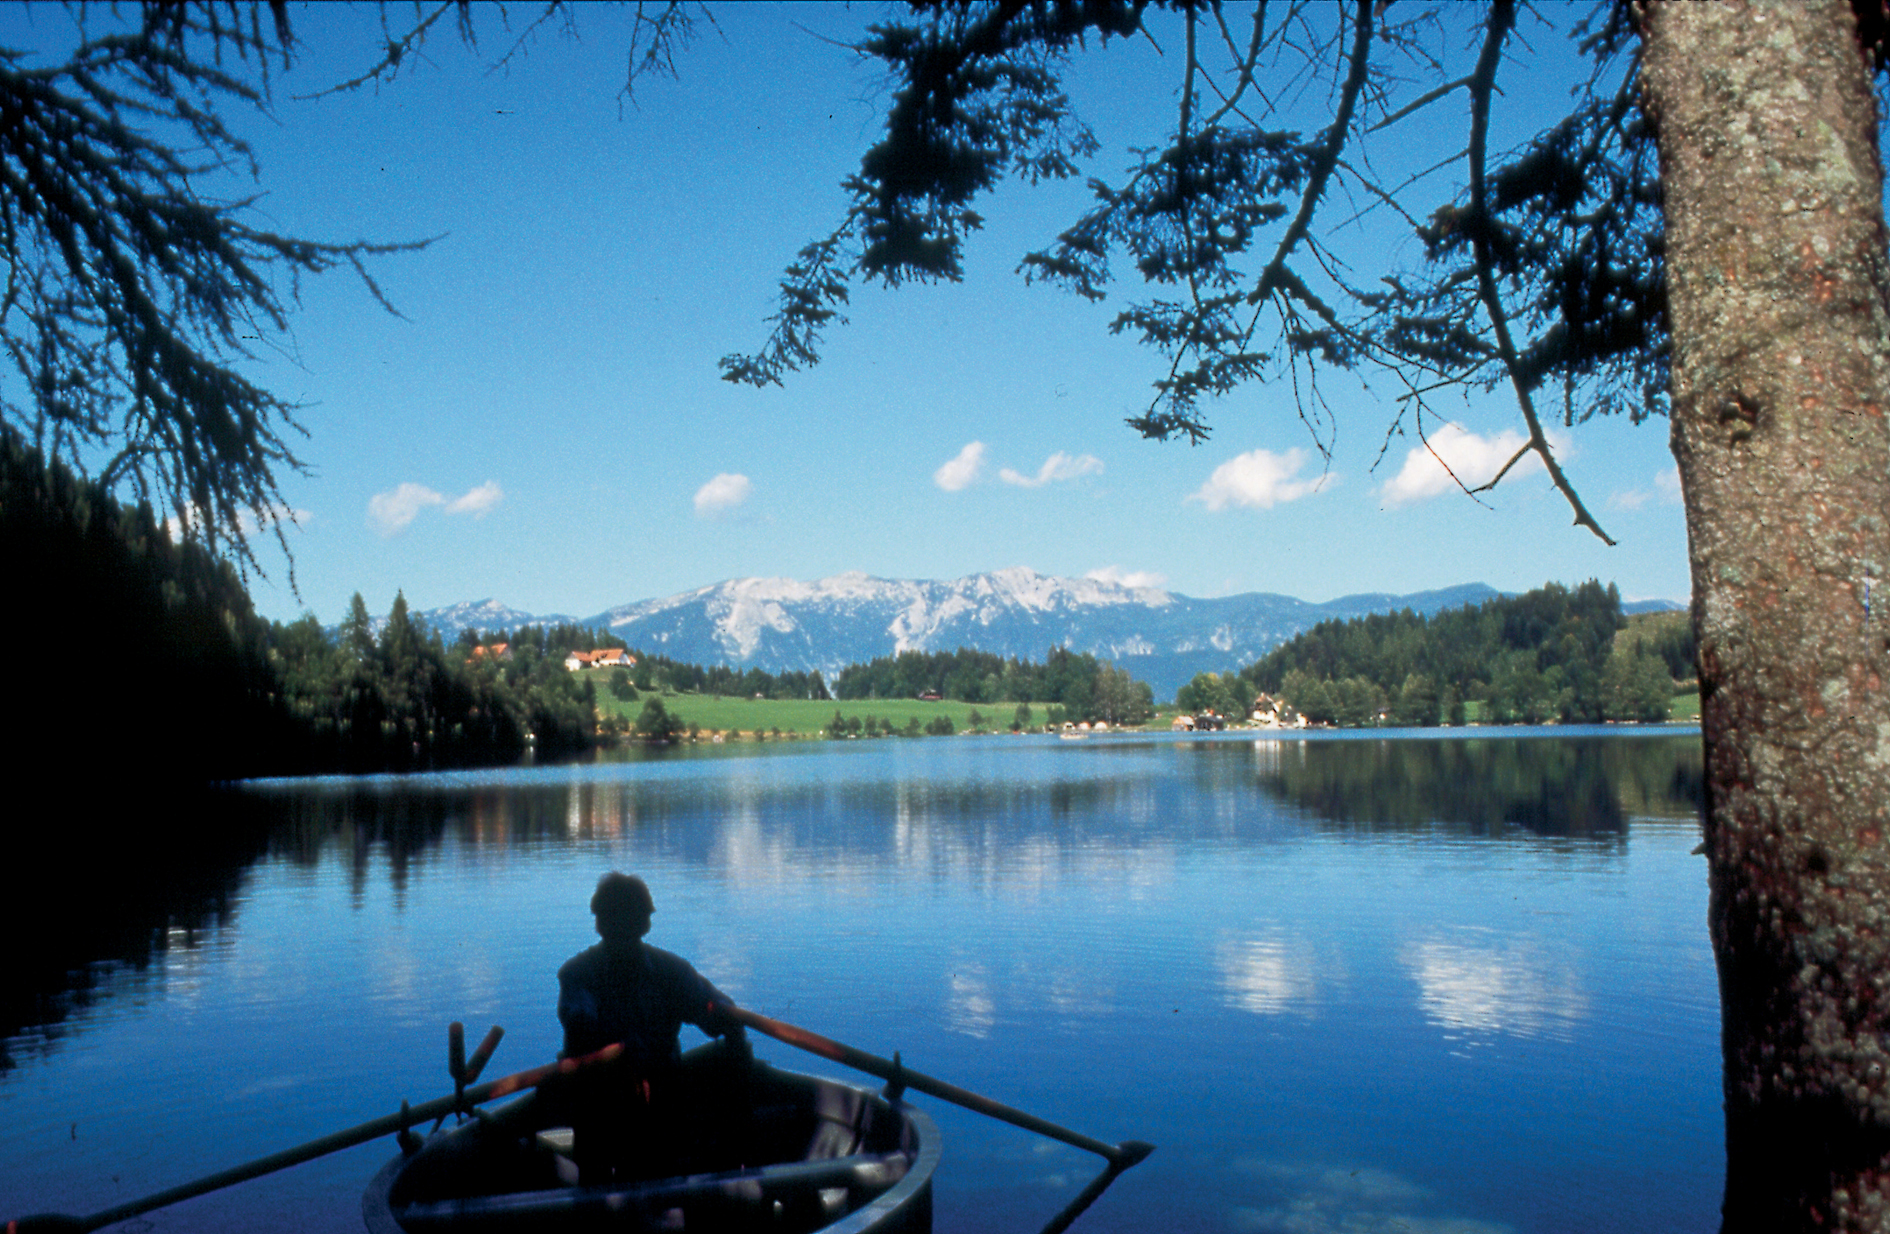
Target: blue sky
{"points": [[545, 423]]}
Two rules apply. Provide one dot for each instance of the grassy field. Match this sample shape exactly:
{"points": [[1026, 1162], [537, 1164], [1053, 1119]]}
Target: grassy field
{"points": [[805, 718]]}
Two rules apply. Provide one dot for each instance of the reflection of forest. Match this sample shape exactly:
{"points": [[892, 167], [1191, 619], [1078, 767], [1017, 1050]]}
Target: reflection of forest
{"points": [[85, 920], [884, 823], [1563, 788], [1100, 816]]}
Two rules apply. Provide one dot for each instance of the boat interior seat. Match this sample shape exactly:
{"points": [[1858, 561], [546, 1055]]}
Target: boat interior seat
{"points": [[839, 1126]]}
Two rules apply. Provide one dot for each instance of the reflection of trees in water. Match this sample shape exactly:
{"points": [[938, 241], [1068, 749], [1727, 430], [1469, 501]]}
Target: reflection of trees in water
{"points": [[1562, 788], [100, 914], [1109, 815], [872, 822]]}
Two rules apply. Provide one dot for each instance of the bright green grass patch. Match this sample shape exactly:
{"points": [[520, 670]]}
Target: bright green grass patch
{"points": [[806, 717], [1686, 708]]}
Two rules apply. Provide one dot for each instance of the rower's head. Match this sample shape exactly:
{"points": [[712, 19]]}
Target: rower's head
{"points": [[623, 906]]}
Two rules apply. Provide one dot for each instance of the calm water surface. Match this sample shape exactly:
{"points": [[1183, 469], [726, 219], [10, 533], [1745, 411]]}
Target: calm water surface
{"points": [[1417, 984]]}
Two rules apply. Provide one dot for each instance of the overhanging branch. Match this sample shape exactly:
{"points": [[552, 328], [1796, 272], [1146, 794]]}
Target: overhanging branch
{"points": [[1482, 85]]}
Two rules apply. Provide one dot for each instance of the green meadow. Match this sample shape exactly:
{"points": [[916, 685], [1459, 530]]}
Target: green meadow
{"points": [[805, 717]]}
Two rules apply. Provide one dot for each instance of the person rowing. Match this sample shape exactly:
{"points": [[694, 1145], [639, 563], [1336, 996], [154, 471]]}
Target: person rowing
{"points": [[625, 991]]}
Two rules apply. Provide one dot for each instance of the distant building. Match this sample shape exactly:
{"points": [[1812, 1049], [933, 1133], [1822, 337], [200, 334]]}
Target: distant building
{"points": [[612, 657]]}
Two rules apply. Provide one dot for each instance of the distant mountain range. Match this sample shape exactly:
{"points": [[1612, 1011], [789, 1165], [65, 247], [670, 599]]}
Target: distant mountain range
{"points": [[775, 624]]}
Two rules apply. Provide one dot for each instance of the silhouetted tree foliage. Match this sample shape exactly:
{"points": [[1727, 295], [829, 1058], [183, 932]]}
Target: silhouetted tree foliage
{"points": [[1218, 218], [142, 273], [401, 699], [155, 660], [136, 292]]}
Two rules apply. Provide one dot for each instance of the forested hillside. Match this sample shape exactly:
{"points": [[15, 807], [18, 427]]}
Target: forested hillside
{"points": [[1553, 654], [130, 650], [402, 699]]}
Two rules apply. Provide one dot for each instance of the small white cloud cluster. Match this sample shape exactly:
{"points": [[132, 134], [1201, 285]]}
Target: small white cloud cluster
{"points": [[1058, 466], [392, 511], [1665, 490], [965, 468], [723, 493], [1450, 456], [1128, 578], [1259, 480], [961, 470], [1454, 450]]}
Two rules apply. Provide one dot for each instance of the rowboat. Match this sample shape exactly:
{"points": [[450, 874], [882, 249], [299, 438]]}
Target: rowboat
{"points": [[751, 1146], [741, 1145]]}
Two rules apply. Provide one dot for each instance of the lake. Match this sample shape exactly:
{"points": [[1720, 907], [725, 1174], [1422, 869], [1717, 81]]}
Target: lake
{"points": [[1355, 982]]}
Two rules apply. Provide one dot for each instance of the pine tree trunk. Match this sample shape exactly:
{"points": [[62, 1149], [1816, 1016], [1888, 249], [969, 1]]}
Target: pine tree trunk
{"points": [[1776, 262]]}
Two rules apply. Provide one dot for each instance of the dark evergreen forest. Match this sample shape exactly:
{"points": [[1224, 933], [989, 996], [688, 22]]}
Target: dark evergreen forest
{"points": [[1553, 654]]}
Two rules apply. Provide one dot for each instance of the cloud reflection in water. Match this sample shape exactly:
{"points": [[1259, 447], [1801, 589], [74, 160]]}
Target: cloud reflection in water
{"points": [[1271, 974], [1325, 1199], [969, 1006], [1511, 986]]}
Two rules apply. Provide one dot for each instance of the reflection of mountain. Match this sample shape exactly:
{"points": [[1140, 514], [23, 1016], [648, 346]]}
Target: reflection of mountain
{"points": [[1557, 787]]}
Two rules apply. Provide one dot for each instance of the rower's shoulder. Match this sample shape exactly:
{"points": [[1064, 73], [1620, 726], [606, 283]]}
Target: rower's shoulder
{"points": [[667, 962], [583, 965]]}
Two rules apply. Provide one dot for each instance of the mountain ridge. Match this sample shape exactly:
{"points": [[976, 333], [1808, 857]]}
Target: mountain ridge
{"points": [[778, 624]]}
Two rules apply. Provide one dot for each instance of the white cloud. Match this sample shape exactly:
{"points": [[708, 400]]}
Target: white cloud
{"points": [[962, 469], [1058, 466], [477, 501], [1128, 578], [723, 493], [1474, 459], [390, 512], [1258, 479], [1666, 489]]}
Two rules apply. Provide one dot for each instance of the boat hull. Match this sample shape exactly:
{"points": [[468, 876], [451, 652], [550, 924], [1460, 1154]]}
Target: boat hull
{"points": [[745, 1146]]}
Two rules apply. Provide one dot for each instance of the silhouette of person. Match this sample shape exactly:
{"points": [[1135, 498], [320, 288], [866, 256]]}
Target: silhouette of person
{"points": [[624, 990]]}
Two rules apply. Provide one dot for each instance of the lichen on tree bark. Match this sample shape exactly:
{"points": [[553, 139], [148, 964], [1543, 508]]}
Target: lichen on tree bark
{"points": [[1778, 282]]}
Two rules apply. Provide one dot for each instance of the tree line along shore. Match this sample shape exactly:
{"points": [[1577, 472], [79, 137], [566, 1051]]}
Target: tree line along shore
{"points": [[240, 696]]}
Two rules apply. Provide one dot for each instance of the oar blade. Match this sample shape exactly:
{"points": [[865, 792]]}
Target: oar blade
{"points": [[48, 1223]]}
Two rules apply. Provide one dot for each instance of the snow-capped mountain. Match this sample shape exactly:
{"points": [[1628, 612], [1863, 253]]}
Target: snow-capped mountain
{"points": [[1158, 636], [483, 615]]}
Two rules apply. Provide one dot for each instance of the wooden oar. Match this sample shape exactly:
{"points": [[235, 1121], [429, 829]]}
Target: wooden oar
{"points": [[1119, 1156], [48, 1223]]}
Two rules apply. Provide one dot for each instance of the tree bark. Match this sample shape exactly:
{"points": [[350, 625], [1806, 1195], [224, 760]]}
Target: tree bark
{"points": [[1776, 266]]}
